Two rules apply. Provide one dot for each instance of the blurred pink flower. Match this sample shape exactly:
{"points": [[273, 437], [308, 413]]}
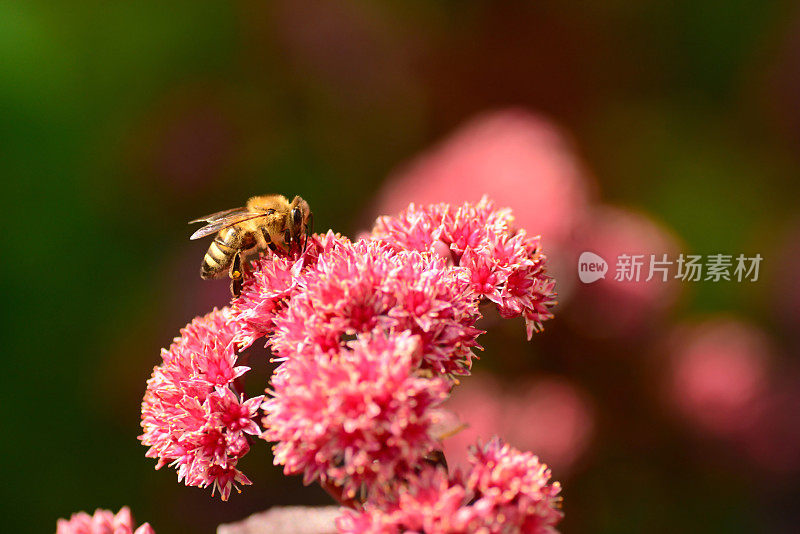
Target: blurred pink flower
{"points": [[549, 415], [477, 405], [504, 490], [619, 308], [102, 522], [287, 520], [773, 440], [719, 373], [357, 417], [515, 157], [190, 416], [552, 417]]}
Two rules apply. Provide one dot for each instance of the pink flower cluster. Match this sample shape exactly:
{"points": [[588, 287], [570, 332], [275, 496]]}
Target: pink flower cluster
{"points": [[339, 289], [269, 287], [504, 264], [190, 415], [370, 335], [356, 288], [102, 522], [504, 490], [357, 417]]}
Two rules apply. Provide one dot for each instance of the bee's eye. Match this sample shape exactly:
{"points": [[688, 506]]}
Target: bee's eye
{"points": [[296, 216]]}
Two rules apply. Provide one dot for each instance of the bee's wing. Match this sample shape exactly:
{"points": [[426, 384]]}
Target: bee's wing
{"points": [[223, 219], [219, 215]]}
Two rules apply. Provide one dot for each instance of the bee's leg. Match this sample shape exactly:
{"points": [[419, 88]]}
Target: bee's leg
{"points": [[264, 240], [261, 239], [236, 275], [309, 230], [248, 251], [287, 239]]}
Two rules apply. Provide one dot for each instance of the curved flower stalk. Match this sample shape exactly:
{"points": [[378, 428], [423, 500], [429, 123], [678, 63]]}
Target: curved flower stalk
{"points": [[102, 522], [371, 335], [504, 490]]}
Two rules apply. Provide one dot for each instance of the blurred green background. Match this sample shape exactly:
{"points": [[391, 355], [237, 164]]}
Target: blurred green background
{"points": [[121, 121]]}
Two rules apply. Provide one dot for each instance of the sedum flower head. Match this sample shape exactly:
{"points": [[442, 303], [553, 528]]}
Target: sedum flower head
{"points": [[503, 264], [512, 489], [358, 417], [274, 279], [355, 288], [370, 333], [191, 417], [504, 491], [102, 522], [429, 502]]}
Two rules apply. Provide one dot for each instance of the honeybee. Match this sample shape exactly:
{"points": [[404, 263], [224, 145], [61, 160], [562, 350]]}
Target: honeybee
{"points": [[267, 221]]}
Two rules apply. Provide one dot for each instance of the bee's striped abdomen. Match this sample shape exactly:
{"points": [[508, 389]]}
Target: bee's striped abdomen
{"points": [[220, 253]]}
